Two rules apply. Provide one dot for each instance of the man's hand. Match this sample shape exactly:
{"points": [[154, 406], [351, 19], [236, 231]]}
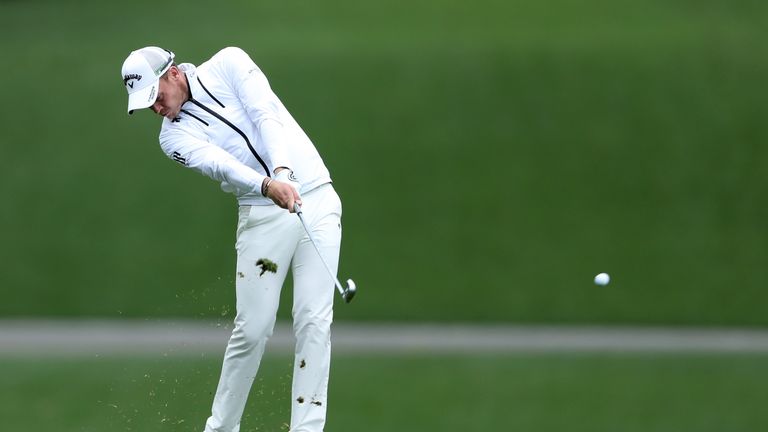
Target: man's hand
{"points": [[283, 194], [284, 190]]}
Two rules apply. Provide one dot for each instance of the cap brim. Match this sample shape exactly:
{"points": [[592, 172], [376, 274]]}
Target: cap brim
{"points": [[143, 98]]}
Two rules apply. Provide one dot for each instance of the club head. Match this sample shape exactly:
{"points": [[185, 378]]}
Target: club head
{"points": [[349, 292]]}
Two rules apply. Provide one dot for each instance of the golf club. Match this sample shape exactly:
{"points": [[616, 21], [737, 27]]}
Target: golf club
{"points": [[346, 293]]}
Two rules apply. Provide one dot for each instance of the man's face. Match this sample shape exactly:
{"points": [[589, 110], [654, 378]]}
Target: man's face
{"points": [[171, 94]]}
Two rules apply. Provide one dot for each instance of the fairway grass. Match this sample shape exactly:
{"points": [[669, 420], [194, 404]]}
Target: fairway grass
{"points": [[542, 393]]}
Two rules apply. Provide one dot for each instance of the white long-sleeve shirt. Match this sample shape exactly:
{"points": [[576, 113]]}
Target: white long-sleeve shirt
{"points": [[235, 130]]}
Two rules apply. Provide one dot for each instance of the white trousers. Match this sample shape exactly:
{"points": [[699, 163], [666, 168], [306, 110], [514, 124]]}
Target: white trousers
{"points": [[270, 232]]}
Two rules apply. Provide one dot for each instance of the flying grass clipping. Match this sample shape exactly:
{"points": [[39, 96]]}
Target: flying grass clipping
{"points": [[266, 266]]}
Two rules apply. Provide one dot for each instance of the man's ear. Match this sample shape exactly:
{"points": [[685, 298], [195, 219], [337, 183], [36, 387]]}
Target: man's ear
{"points": [[174, 73]]}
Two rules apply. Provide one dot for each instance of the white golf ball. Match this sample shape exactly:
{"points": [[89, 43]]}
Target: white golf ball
{"points": [[602, 279]]}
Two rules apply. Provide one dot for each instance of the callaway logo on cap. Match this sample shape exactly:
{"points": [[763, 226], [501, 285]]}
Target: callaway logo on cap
{"points": [[141, 74]]}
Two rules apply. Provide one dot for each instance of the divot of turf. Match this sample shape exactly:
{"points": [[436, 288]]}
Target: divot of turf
{"points": [[266, 266]]}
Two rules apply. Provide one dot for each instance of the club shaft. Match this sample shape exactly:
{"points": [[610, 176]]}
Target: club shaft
{"points": [[312, 240]]}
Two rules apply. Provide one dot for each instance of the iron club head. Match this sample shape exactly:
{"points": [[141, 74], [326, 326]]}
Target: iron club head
{"points": [[349, 292]]}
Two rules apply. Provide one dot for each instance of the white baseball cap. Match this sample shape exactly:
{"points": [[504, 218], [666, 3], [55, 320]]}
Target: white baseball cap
{"points": [[141, 74]]}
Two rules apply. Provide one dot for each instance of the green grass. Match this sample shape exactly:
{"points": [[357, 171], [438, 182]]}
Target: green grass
{"points": [[543, 392], [510, 148]]}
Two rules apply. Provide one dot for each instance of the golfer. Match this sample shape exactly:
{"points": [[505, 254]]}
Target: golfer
{"points": [[223, 120]]}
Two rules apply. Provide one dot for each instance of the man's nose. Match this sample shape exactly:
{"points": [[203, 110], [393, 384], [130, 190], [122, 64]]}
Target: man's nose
{"points": [[156, 107]]}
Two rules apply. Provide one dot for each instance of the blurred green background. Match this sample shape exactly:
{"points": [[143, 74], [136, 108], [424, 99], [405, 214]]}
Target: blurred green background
{"points": [[492, 157]]}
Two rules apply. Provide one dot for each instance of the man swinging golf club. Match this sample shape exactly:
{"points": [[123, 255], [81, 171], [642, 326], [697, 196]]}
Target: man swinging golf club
{"points": [[223, 120]]}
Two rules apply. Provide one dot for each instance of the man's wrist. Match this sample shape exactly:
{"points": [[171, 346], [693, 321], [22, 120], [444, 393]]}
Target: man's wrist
{"points": [[265, 185]]}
